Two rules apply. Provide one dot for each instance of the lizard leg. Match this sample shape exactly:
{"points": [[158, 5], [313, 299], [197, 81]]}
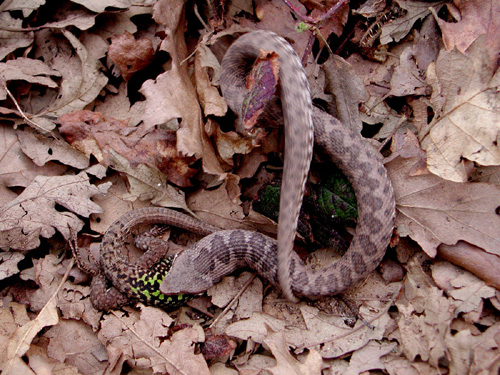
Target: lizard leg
{"points": [[104, 298], [155, 248]]}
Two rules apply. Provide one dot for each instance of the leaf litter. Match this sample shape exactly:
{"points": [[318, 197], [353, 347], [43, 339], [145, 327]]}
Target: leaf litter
{"points": [[112, 105]]}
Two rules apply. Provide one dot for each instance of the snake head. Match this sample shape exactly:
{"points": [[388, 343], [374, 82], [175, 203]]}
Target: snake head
{"points": [[184, 278]]}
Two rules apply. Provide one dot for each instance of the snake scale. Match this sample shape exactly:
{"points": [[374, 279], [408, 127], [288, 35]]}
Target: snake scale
{"points": [[221, 252]]}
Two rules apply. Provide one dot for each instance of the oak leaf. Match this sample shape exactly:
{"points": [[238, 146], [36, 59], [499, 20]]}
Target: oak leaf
{"points": [[34, 212]]}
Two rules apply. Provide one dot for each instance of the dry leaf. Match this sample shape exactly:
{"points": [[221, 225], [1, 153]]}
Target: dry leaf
{"points": [[100, 6], [407, 79], [473, 259], [475, 18], [400, 27], [8, 264], [465, 288], [433, 211], [42, 149], [17, 168], [466, 124], [33, 212], [82, 78], [425, 317], [210, 99], [129, 54], [285, 363], [143, 340], [21, 340], [369, 358], [74, 343], [154, 149], [13, 40], [173, 96], [29, 70], [12, 316], [347, 89]]}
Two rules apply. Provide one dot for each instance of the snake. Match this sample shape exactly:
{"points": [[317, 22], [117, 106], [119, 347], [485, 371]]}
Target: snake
{"points": [[168, 283], [222, 252]]}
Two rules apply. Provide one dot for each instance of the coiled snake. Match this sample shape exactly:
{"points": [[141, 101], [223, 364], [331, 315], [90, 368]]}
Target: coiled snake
{"points": [[221, 252], [197, 268]]}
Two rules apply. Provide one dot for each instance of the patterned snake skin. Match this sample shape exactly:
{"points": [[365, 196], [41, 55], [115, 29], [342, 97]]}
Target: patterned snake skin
{"points": [[220, 253]]}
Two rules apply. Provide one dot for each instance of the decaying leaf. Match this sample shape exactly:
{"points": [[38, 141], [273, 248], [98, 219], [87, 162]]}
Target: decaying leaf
{"points": [[29, 70], [434, 211], [141, 340], [12, 40], [33, 213], [129, 54], [466, 99], [421, 75], [155, 149], [8, 264]]}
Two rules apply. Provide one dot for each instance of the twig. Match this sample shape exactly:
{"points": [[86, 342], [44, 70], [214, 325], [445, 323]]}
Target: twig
{"points": [[235, 298], [32, 123], [314, 20]]}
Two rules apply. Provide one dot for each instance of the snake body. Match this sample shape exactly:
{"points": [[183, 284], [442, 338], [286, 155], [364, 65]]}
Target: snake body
{"points": [[221, 252], [218, 254]]}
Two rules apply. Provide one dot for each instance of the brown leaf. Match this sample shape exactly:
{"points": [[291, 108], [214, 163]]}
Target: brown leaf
{"points": [[129, 54], [140, 338], [83, 350], [210, 99], [466, 123], [217, 347], [29, 70], [17, 168], [172, 95], [474, 259], [473, 18], [434, 211], [33, 212], [92, 133], [8, 264]]}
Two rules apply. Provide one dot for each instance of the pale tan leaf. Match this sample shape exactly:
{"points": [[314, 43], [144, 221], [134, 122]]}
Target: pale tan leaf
{"points": [[34, 212], [25, 69], [210, 99], [100, 6], [466, 101], [16, 168], [433, 211], [148, 183], [12, 40], [141, 340], [286, 364]]}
